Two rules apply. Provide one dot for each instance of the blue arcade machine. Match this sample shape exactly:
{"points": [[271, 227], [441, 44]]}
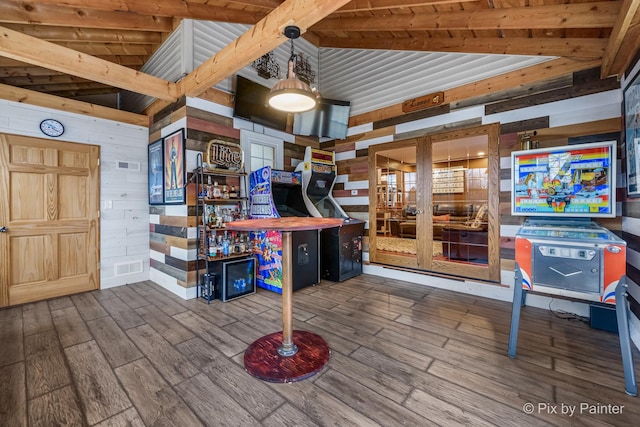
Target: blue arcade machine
{"points": [[276, 194]]}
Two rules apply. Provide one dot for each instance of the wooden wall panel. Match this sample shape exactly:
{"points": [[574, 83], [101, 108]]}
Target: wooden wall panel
{"points": [[169, 231], [584, 83], [559, 88]]}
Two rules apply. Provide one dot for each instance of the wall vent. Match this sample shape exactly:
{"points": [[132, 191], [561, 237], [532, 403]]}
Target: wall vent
{"points": [[130, 166], [124, 268]]}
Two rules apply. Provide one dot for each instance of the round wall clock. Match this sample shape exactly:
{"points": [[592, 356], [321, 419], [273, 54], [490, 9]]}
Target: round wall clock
{"points": [[51, 127]]}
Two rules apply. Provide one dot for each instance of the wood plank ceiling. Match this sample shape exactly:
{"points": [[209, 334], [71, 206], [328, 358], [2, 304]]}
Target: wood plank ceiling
{"points": [[74, 48]]}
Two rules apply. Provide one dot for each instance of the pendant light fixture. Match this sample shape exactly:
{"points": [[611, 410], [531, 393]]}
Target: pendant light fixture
{"points": [[291, 94]]}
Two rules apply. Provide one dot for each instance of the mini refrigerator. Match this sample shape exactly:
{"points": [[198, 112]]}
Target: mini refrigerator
{"points": [[234, 278]]}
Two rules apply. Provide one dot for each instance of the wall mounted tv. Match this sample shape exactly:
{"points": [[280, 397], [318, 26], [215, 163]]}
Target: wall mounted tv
{"points": [[329, 119], [569, 181], [250, 104]]}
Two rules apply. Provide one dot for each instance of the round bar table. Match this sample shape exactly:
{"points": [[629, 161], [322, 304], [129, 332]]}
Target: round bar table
{"points": [[289, 355]]}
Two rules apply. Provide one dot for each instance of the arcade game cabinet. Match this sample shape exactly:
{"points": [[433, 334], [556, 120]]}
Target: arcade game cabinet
{"points": [[341, 247], [276, 194], [560, 249]]}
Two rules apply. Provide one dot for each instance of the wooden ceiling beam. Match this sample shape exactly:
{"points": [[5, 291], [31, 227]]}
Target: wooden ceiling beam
{"points": [[367, 5], [130, 61], [69, 87], [513, 79], [263, 37], [108, 90], [34, 51], [32, 71], [618, 37], [110, 49], [575, 15], [41, 80], [88, 35], [28, 13], [627, 53], [575, 48], [31, 97], [167, 9], [22, 71]]}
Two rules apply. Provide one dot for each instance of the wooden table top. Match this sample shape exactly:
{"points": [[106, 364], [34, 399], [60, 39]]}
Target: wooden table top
{"points": [[284, 224]]}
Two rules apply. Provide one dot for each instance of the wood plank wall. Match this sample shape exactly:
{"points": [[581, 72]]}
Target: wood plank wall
{"points": [[172, 228], [353, 152]]}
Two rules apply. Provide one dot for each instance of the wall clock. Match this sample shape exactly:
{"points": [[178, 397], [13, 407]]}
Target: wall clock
{"points": [[51, 127]]}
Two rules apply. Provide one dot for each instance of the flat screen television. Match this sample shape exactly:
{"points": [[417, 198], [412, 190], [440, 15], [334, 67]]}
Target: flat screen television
{"points": [[329, 119], [569, 181], [251, 104]]}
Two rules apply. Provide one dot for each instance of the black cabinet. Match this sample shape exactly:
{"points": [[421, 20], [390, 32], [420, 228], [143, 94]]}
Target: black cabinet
{"points": [[341, 256], [305, 259]]}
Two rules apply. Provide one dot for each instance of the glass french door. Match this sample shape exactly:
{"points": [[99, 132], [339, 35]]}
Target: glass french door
{"points": [[393, 217], [436, 203]]}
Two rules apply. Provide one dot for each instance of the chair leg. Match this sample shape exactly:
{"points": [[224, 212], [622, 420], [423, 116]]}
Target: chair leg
{"points": [[622, 316], [515, 312]]}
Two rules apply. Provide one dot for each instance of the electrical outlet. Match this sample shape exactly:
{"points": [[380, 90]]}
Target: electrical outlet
{"points": [[354, 192], [108, 204]]}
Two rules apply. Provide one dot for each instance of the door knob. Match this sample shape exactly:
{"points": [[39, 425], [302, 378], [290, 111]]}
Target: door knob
{"points": [[3, 229]]}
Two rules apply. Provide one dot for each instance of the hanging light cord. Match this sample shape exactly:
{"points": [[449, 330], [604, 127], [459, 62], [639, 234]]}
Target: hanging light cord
{"points": [[292, 58]]}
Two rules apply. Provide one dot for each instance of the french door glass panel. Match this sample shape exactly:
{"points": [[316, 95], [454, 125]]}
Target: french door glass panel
{"points": [[460, 203], [394, 235]]}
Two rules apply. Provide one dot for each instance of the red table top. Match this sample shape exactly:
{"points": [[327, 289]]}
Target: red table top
{"points": [[284, 224]]}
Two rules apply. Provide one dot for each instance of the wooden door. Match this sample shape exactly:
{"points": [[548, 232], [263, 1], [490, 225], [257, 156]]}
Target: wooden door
{"points": [[49, 204]]}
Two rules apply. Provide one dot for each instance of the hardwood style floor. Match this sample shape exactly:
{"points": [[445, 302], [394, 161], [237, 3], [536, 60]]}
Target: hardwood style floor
{"points": [[402, 354]]}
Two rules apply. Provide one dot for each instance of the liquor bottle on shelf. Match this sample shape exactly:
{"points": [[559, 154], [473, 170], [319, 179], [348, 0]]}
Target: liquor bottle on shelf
{"points": [[225, 192], [219, 218], [225, 245], [216, 190], [209, 188], [213, 249], [233, 194], [211, 222]]}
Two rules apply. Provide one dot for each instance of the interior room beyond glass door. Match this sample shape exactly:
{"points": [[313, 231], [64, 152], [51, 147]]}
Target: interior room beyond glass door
{"points": [[459, 206], [393, 228]]}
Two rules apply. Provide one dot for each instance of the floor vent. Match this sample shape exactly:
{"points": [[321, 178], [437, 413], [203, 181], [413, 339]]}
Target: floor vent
{"points": [[130, 166], [124, 268]]}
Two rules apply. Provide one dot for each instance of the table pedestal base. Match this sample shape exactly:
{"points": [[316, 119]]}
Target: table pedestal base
{"points": [[263, 361]]}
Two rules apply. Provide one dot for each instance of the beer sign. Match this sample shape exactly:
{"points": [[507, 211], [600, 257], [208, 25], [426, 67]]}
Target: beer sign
{"points": [[225, 155]]}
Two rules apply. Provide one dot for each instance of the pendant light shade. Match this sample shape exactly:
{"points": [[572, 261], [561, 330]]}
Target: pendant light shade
{"points": [[291, 94]]}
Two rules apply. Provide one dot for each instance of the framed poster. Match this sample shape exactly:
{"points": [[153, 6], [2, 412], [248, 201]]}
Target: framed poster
{"points": [[632, 134], [174, 168], [156, 173]]}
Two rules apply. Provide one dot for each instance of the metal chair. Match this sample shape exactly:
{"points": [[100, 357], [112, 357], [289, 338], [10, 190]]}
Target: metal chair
{"points": [[627, 301]]}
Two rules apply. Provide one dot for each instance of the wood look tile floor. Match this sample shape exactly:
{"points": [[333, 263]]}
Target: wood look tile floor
{"points": [[402, 354]]}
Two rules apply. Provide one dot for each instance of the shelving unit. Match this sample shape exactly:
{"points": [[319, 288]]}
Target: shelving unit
{"points": [[235, 250], [389, 196]]}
